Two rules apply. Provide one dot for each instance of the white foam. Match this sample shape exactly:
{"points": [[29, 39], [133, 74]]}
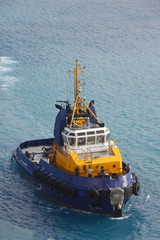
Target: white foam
{"points": [[4, 69], [120, 218], [7, 60], [147, 198], [7, 81]]}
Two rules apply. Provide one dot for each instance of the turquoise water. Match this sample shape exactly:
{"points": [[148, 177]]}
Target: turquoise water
{"points": [[118, 42]]}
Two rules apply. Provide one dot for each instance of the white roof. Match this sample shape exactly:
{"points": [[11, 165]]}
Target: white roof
{"points": [[82, 132]]}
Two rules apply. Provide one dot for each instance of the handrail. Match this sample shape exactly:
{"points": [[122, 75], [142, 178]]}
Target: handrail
{"points": [[90, 154], [61, 150]]}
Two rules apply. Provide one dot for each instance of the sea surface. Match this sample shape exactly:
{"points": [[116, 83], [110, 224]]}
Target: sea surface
{"points": [[118, 42]]}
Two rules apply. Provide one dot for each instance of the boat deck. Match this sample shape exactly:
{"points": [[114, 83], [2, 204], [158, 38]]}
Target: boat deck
{"points": [[37, 153], [96, 154]]}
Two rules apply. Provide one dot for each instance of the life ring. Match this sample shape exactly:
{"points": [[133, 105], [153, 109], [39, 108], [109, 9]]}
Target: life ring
{"points": [[136, 188], [93, 195], [71, 192], [38, 186]]}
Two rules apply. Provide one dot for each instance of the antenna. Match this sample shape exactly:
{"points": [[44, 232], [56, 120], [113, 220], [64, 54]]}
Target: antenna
{"points": [[77, 84], [79, 103]]}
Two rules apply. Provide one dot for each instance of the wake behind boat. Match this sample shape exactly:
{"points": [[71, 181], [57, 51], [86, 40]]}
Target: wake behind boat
{"points": [[81, 167]]}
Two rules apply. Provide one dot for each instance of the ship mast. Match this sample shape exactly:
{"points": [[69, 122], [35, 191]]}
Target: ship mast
{"points": [[77, 84], [76, 80], [79, 103]]}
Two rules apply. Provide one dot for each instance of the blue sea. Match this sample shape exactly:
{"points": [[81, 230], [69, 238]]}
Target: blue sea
{"points": [[118, 42]]}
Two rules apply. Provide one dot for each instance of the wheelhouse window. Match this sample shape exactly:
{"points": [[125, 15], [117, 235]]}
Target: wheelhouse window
{"points": [[81, 134], [72, 141], [72, 134], [81, 141], [65, 139], [100, 139], [99, 131], [90, 133], [90, 140], [108, 136]]}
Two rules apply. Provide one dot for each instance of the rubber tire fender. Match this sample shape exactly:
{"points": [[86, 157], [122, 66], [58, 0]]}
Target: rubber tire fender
{"points": [[134, 177], [62, 189], [136, 188], [36, 173], [55, 186], [117, 212], [46, 180], [71, 192], [93, 195]]}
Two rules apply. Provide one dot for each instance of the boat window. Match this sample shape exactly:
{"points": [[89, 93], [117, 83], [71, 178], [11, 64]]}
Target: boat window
{"points": [[72, 141], [65, 139], [100, 139], [81, 133], [64, 131], [108, 135], [72, 134], [90, 133], [99, 131], [90, 140], [81, 141]]}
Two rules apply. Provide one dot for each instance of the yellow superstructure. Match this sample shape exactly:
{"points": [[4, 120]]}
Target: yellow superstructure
{"points": [[70, 162], [87, 146], [72, 158]]}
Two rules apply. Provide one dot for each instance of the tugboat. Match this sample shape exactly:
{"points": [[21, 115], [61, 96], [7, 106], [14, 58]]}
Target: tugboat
{"points": [[81, 167]]}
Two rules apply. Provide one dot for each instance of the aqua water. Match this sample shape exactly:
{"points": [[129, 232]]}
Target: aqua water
{"points": [[118, 43]]}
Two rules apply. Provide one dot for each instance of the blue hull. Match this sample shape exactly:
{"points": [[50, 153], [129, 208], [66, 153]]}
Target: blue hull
{"points": [[89, 194]]}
